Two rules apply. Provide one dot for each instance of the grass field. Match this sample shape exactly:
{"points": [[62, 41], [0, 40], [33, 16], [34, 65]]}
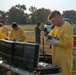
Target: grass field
{"points": [[30, 37], [25, 27]]}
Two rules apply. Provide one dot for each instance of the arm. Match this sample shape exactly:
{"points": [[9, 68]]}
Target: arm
{"points": [[23, 37]]}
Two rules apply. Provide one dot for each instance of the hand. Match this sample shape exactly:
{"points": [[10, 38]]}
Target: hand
{"points": [[52, 40], [49, 38]]}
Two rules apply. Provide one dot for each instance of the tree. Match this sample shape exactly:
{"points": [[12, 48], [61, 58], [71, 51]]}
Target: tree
{"points": [[42, 14], [32, 9], [16, 13], [39, 15], [69, 14], [21, 7], [3, 15]]}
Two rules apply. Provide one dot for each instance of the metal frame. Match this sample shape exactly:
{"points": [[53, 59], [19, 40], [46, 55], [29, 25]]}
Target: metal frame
{"points": [[19, 70]]}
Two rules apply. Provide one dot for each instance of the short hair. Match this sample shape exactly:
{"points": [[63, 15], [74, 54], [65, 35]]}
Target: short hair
{"points": [[53, 14], [14, 24], [2, 21], [39, 23]]}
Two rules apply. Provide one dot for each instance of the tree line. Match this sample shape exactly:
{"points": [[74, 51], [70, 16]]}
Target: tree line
{"points": [[17, 14]]}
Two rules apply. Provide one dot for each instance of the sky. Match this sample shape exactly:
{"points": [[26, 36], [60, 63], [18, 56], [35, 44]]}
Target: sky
{"points": [[60, 5]]}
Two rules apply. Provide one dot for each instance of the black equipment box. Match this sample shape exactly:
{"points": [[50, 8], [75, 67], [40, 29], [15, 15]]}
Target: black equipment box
{"points": [[32, 61], [26, 56], [47, 58], [6, 49], [31, 55], [2, 48], [18, 53]]}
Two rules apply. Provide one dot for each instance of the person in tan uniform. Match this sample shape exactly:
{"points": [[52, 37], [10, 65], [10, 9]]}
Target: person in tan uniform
{"points": [[4, 28], [62, 43], [2, 37], [37, 33], [17, 33]]}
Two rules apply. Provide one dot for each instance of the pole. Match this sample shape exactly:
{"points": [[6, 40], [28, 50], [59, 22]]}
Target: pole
{"points": [[43, 48]]}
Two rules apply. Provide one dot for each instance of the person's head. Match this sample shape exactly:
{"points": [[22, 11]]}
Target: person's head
{"points": [[2, 23], [56, 18], [38, 24], [14, 26]]}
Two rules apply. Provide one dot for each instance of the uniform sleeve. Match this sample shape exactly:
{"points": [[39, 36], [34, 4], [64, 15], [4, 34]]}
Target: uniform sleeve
{"points": [[52, 32], [1, 35], [23, 37], [6, 31], [66, 36]]}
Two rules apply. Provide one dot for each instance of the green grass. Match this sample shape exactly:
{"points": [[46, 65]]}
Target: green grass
{"points": [[25, 27]]}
